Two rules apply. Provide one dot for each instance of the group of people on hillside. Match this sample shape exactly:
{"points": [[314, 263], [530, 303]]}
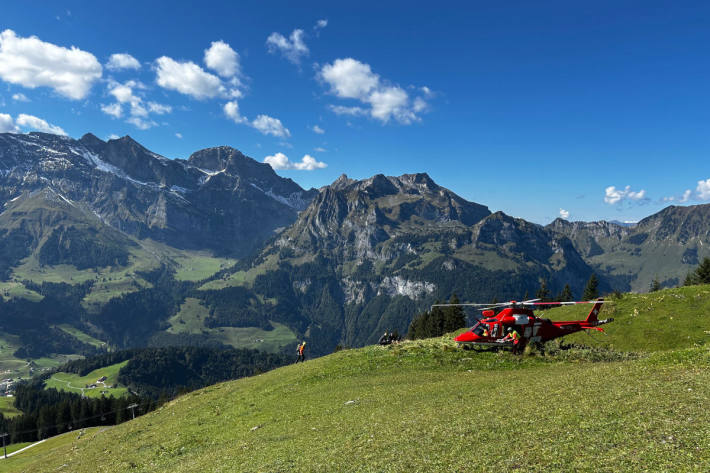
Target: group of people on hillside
{"points": [[388, 338]]}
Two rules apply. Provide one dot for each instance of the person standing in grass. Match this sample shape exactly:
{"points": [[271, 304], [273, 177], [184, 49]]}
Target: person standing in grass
{"points": [[301, 349]]}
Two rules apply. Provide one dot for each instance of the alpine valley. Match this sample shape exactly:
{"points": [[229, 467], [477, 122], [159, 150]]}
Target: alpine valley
{"points": [[109, 245]]}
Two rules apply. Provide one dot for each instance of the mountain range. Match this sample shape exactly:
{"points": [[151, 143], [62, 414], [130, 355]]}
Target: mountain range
{"points": [[110, 242]]}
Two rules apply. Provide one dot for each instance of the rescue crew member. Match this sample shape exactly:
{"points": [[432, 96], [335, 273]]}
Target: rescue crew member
{"points": [[515, 336], [301, 348]]}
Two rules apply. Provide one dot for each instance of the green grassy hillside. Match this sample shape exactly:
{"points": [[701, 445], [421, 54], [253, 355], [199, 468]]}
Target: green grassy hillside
{"points": [[72, 382], [422, 406], [662, 320]]}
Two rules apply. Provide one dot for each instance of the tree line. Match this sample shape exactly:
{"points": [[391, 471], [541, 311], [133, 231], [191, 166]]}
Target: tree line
{"points": [[48, 412]]}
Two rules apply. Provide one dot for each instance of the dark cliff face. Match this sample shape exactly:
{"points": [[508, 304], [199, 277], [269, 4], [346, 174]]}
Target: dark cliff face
{"points": [[218, 200]]}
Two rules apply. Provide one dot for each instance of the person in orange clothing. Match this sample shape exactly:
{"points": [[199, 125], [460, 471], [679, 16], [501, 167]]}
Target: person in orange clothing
{"points": [[301, 349]]}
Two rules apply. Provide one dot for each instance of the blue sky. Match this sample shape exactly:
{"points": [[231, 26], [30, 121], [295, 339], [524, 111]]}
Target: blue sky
{"points": [[594, 111]]}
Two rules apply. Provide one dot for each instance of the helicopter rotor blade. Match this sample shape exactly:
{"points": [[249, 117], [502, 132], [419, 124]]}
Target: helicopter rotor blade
{"points": [[565, 303]]}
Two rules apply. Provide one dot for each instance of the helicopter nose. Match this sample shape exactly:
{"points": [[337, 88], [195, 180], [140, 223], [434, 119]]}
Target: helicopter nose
{"points": [[466, 337]]}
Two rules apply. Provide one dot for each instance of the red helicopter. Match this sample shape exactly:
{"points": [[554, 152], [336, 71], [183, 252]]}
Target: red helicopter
{"points": [[515, 326]]}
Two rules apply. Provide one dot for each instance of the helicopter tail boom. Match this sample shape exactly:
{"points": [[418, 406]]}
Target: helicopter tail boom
{"points": [[592, 317]]}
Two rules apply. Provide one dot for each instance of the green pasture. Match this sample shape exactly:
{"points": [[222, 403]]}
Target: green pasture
{"points": [[190, 319], [72, 382]]}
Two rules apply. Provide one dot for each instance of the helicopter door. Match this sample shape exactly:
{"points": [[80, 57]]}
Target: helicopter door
{"points": [[495, 330]]}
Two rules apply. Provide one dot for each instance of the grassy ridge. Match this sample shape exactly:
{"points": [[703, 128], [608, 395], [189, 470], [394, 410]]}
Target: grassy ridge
{"points": [[662, 320], [424, 406]]}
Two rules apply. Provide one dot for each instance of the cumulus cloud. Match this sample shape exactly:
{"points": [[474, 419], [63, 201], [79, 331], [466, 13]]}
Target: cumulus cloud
{"points": [[349, 78], [564, 214], [113, 109], [159, 108], [7, 124], [138, 110], [190, 79], [682, 199], [140, 123], [292, 48], [19, 97], [317, 129], [270, 126], [35, 123], [307, 163], [121, 61], [343, 110], [231, 109], [265, 124], [220, 57], [32, 63], [320, 24], [703, 189], [614, 195]]}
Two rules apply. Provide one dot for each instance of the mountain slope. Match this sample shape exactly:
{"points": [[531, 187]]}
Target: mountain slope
{"points": [[366, 256], [666, 245], [218, 199]]}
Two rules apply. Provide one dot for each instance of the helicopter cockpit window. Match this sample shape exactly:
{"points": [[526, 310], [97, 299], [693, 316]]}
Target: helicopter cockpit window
{"points": [[479, 328]]}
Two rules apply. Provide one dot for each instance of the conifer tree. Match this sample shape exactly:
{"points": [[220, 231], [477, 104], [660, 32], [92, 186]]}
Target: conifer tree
{"points": [[543, 293], [591, 291], [454, 318], [655, 285], [566, 294], [701, 275]]}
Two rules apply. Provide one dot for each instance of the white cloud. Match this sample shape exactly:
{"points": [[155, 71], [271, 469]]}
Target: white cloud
{"points": [[32, 63], [121, 61], [391, 102], [7, 124], [138, 110], [159, 108], [270, 126], [564, 214], [703, 189], [190, 79], [140, 123], [307, 163], [113, 109], [317, 129], [320, 150], [343, 110], [682, 199], [178, 135], [292, 48], [222, 58], [19, 97], [351, 79], [320, 24], [231, 109], [265, 124], [35, 123], [614, 195], [113, 136]]}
